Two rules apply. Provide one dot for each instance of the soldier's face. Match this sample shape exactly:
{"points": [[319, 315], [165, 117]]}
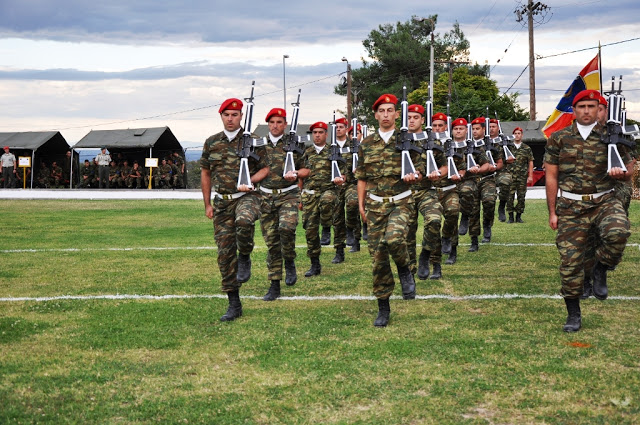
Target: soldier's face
{"points": [[602, 114], [478, 131], [319, 136], [493, 130], [341, 131], [416, 121], [231, 119], [517, 136], [277, 126], [386, 115], [439, 126], [459, 133], [586, 111]]}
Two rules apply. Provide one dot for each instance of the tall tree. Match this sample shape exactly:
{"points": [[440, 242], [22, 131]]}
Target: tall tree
{"points": [[400, 55]]}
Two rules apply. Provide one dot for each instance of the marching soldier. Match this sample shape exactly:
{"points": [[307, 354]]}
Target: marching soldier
{"points": [[521, 176], [385, 201], [503, 178], [319, 193], [235, 209], [354, 226], [487, 185], [580, 199], [279, 217], [339, 222]]}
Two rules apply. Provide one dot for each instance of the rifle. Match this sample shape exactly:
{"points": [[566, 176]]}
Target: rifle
{"points": [[334, 153], [355, 144], [292, 143], [246, 144], [505, 142], [450, 145], [404, 141], [488, 142], [617, 128], [430, 138], [471, 162]]}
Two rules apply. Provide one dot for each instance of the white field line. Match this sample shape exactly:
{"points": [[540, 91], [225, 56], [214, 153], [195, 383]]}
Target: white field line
{"points": [[208, 248], [478, 297]]}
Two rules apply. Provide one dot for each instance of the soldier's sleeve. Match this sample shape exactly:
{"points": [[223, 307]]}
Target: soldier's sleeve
{"points": [[482, 158], [552, 150], [204, 158], [264, 158], [360, 173]]}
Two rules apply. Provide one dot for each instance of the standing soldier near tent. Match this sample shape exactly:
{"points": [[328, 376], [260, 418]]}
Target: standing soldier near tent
{"points": [[521, 176], [580, 199], [103, 159], [9, 169], [235, 208]]}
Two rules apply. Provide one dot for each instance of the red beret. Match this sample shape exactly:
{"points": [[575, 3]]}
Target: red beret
{"points": [[385, 98], [459, 121], [603, 101], [342, 121], [493, 121], [350, 130], [586, 95], [479, 120], [516, 129], [439, 116], [276, 111], [6, 147], [318, 124], [232, 104], [416, 108]]}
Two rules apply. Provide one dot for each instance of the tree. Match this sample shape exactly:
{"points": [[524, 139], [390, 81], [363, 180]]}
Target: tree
{"points": [[400, 55], [472, 92]]}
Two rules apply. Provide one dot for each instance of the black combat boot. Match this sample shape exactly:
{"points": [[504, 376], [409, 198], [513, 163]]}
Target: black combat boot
{"points": [[244, 268], [599, 277], [383, 313], [356, 246], [587, 288], [407, 282], [350, 238], [453, 256], [501, 215], [464, 225], [574, 319], [486, 235], [519, 218], [511, 218], [437, 271], [423, 264], [291, 276], [365, 232], [339, 258], [474, 244], [315, 267], [446, 245], [326, 236], [235, 307], [274, 291]]}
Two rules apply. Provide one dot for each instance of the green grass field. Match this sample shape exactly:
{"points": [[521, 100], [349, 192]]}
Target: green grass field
{"points": [[500, 360]]}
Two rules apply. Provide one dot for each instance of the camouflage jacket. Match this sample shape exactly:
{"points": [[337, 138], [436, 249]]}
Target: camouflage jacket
{"points": [[379, 164], [320, 167], [479, 157], [219, 155], [582, 164], [275, 157], [520, 167]]}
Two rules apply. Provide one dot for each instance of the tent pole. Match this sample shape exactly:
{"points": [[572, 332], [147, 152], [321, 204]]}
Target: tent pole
{"points": [[71, 170], [33, 166]]}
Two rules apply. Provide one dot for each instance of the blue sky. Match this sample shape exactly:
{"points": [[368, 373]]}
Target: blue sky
{"points": [[73, 65]]}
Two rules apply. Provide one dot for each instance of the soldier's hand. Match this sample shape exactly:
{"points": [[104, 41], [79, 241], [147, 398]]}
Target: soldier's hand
{"points": [[510, 160], [617, 173], [529, 180], [435, 175], [363, 214], [291, 176], [245, 188], [553, 221], [339, 181], [300, 206], [456, 178], [208, 211]]}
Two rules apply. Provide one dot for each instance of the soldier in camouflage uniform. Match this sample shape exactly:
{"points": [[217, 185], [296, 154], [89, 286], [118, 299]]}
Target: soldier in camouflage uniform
{"points": [[85, 175], [426, 201], [235, 209], [319, 193], [354, 227], [280, 194], [163, 175], [576, 164], [503, 178], [448, 195], [178, 161], [125, 172], [56, 175], [470, 191], [521, 176], [339, 221], [488, 185], [385, 202]]}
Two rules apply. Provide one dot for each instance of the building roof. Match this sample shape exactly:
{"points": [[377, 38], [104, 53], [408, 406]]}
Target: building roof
{"points": [[158, 137], [33, 140]]}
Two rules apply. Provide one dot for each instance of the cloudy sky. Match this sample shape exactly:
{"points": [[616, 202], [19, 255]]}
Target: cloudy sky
{"points": [[76, 65]]}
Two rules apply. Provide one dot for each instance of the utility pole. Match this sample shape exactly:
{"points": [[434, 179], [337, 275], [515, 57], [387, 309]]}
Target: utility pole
{"points": [[349, 103], [450, 63], [531, 9]]}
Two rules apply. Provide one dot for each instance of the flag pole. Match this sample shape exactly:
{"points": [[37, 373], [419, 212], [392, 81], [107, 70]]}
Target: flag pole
{"points": [[600, 64]]}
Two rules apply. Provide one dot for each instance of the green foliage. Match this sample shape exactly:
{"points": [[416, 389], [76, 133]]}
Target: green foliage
{"points": [[472, 92], [193, 175]]}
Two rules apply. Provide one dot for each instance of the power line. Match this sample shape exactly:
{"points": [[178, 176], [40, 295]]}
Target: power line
{"points": [[588, 48]]}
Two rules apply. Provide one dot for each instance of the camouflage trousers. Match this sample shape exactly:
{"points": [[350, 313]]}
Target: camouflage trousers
{"points": [[518, 188], [468, 193], [317, 210], [388, 224], [488, 195], [606, 218], [450, 202], [157, 180], [623, 192], [427, 204], [503, 184], [233, 230], [339, 221], [353, 211], [278, 223]]}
